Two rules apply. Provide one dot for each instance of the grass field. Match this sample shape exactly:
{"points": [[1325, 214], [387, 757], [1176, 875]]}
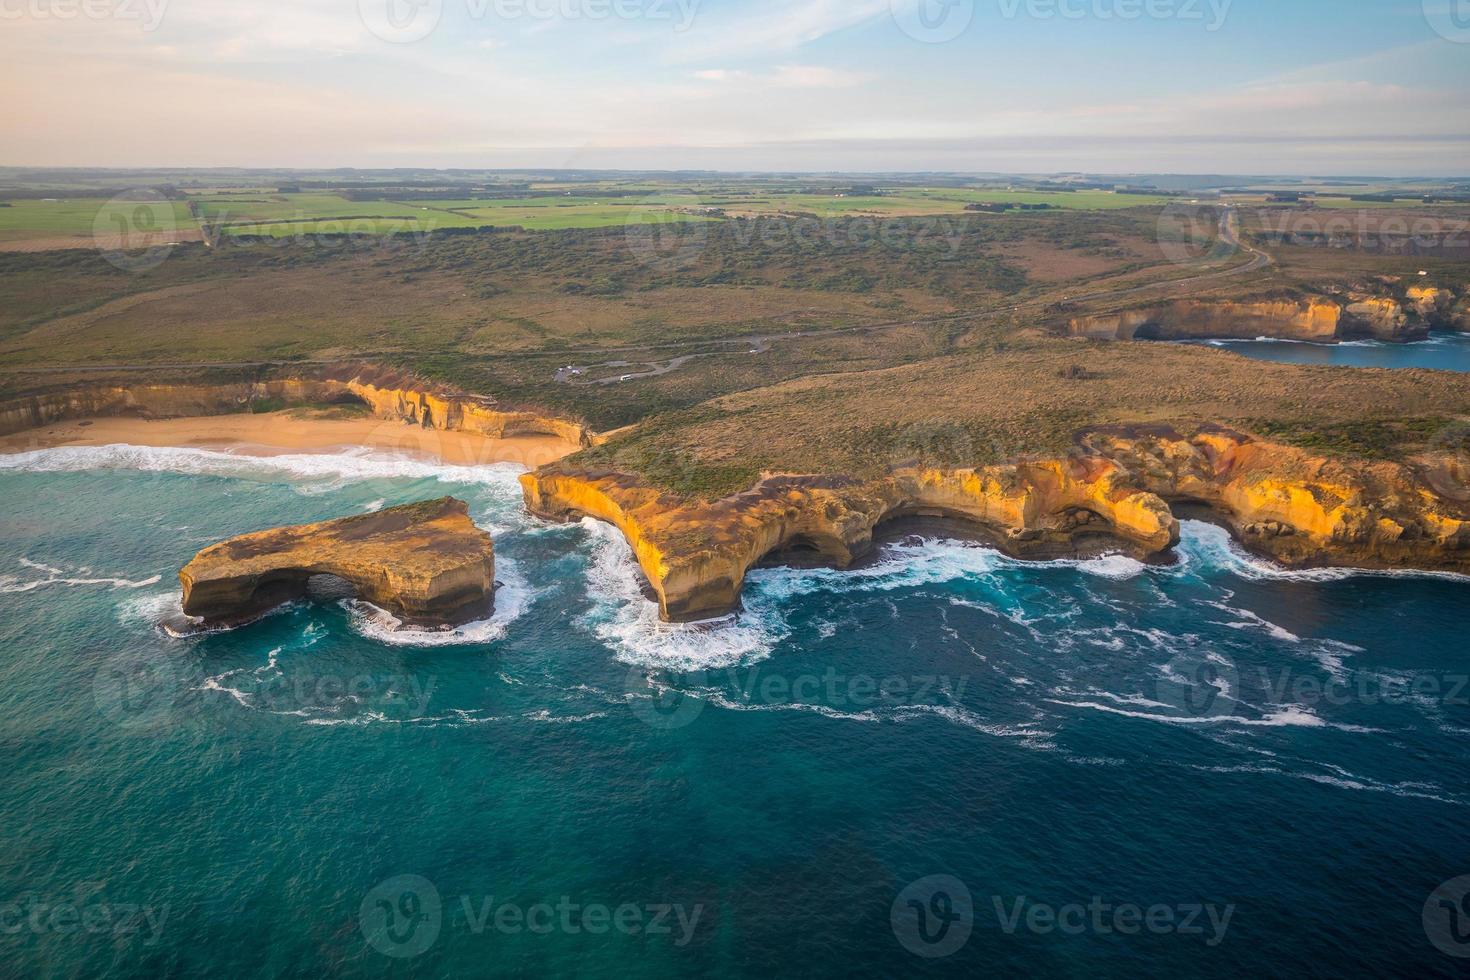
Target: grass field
{"points": [[270, 213], [236, 209], [363, 225], [26, 220]]}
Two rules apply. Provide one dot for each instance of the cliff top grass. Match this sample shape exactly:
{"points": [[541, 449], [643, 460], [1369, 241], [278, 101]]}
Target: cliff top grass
{"points": [[985, 407], [923, 338]]}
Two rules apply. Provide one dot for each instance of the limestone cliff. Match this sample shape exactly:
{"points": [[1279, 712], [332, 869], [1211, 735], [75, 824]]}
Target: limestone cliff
{"points": [[427, 564], [1381, 318], [389, 396], [1304, 509], [454, 411], [1311, 319], [1320, 319], [1433, 305], [1281, 501], [1458, 317], [695, 554]]}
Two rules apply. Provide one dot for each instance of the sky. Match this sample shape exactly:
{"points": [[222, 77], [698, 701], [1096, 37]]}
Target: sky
{"points": [[1323, 87]]}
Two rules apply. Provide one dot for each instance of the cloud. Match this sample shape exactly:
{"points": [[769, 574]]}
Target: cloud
{"points": [[784, 76], [775, 27]]}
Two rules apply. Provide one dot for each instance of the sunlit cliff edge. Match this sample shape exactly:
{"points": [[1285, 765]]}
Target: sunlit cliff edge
{"points": [[1319, 319], [1115, 489]]}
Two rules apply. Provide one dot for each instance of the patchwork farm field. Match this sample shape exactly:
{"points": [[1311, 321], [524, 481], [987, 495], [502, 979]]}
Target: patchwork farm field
{"points": [[269, 212]]}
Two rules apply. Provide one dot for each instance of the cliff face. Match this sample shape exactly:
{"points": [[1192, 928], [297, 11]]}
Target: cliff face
{"points": [[1458, 315], [1315, 320], [388, 396], [1320, 319], [1381, 318], [1278, 500], [153, 401], [456, 412], [427, 563], [695, 555], [1435, 306], [1304, 509]]}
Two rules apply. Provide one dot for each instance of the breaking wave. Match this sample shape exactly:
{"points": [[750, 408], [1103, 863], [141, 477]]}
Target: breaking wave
{"points": [[319, 472], [512, 598]]}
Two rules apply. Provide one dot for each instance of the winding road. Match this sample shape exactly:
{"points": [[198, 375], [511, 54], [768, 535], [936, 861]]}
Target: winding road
{"points": [[1228, 245]]}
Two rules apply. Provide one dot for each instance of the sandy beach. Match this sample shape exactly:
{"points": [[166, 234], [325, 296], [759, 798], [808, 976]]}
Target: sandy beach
{"points": [[295, 431]]}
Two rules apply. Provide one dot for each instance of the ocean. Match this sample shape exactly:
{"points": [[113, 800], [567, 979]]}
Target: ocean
{"points": [[945, 763], [1442, 352]]}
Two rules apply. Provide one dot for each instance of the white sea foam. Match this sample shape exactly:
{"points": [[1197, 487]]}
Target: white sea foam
{"points": [[54, 576], [268, 671], [1031, 736], [1133, 700], [152, 608], [1252, 621], [512, 599], [1289, 716], [1340, 779], [1213, 546], [928, 561], [628, 622], [346, 467]]}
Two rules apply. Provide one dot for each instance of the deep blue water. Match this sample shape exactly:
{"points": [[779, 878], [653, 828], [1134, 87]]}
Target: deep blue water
{"points": [[1275, 762], [1441, 352]]}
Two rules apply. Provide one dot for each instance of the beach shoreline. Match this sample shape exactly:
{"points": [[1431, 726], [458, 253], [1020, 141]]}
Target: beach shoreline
{"points": [[295, 431]]}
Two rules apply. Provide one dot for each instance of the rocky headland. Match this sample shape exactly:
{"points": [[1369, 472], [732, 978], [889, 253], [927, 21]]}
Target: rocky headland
{"points": [[1115, 491], [427, 564]]}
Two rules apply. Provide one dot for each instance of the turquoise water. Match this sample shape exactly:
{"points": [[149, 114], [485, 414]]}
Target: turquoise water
{"points": [[1268, 768], [1441, 352]]}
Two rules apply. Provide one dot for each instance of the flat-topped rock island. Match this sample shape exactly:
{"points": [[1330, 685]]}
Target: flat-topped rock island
{"points": [[427, 564]]}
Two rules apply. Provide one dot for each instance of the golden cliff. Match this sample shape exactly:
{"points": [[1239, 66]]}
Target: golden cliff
{"points": [[426, 563], [695, 555], [1320, 319], [389, 396], [1381, 318], [1316, 320], [1304, 509], [1113, 493]]}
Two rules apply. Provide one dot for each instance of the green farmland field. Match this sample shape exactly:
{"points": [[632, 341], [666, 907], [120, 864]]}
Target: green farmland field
{"points": [[267, 212], [36, 220]]}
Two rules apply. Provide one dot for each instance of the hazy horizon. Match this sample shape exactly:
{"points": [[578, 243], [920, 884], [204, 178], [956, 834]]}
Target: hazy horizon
{"points": [[1120, 175], [863, 86]]}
